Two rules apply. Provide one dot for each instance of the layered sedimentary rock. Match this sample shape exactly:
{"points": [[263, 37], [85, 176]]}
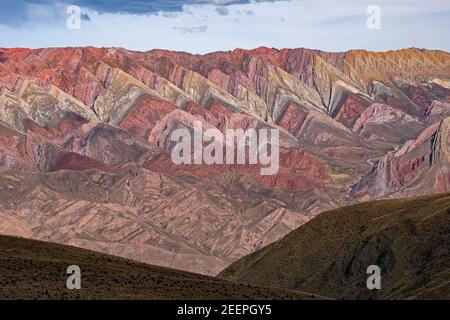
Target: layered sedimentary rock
{"points": [[85, 144], [380, 122], [420, 164]]}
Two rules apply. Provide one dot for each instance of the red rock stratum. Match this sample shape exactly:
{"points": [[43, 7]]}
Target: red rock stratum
{"points": [[85, 149]]}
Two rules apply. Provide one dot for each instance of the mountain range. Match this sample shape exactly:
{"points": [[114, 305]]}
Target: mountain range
{"points": [[326, 258], [85, 148]]}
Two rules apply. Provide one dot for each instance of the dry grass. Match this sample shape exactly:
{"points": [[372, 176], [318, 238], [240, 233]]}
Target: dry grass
{"points": [[32, 269], [408, 238]]}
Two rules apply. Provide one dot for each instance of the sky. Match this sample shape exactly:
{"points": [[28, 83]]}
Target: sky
{"points": [[201, 26]]}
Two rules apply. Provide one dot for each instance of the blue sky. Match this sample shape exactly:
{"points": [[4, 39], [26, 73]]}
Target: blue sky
{"points": [[201, 26]]}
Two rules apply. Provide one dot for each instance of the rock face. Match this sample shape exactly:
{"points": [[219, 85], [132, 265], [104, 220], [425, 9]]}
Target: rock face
{"points": [[422, 163], [85, 148]]}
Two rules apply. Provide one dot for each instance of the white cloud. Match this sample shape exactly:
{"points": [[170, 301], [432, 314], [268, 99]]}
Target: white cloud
{"points": [[223, 11], [327, 25]]}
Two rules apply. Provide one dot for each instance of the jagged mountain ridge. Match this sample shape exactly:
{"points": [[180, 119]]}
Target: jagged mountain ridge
{"points": [[354, 125]]}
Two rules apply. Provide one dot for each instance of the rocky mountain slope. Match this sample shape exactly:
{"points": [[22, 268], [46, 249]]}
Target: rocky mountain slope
{"points": [[38, 270], [85, 148], [408, 239]]}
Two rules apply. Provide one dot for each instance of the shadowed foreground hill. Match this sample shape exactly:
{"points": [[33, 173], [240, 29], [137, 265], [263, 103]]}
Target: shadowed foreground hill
{"points": [[409, 239], [37, 270]]}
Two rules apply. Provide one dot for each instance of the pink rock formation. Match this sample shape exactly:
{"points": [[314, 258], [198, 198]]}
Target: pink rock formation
{"points": [[85, 152]]}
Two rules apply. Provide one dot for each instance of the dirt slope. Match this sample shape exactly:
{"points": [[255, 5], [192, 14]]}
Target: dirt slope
{"points": [[33, 269], [409, 239]]}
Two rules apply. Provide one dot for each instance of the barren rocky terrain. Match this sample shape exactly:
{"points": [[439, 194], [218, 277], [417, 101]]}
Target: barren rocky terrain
{"points": [[408, 239], [38, 270], [85, 148]]}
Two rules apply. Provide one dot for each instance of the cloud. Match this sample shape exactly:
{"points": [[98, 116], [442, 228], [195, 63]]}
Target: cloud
{"points": [[196, 27], [85, 17], [222, 11], [169, 14], [14, 12], [190, 30]]}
